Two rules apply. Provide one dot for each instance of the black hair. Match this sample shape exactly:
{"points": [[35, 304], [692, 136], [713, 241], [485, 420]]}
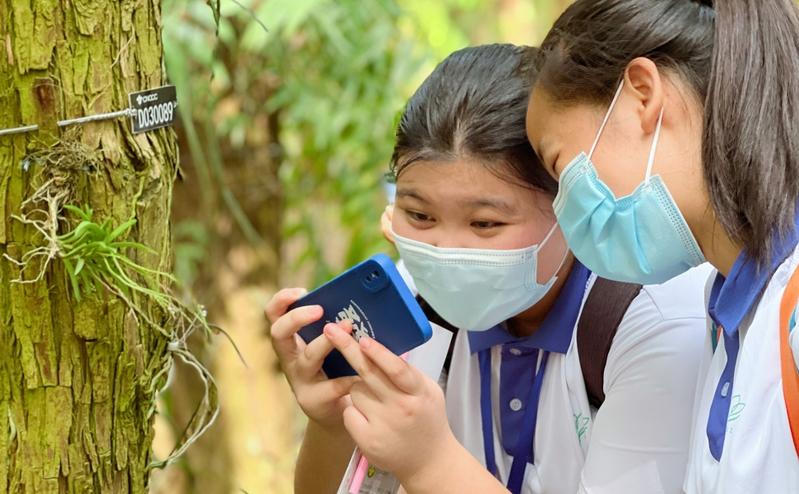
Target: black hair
{"points": [[740, 57], [473, 105]]}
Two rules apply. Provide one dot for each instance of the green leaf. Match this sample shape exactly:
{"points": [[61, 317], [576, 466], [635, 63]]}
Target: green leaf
{"points": [[79, 266], [123, 228], [73, 279]]}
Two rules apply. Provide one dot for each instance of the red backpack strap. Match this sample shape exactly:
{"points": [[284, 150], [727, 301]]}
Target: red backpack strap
{"points": [[790, 374]]}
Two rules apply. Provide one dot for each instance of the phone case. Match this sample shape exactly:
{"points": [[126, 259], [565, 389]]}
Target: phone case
{"points": [[374, 297]]}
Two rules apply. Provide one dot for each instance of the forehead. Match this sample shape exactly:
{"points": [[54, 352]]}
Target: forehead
{"points": [[549, 120], [540, 110], [465, 181], [460, 173]]}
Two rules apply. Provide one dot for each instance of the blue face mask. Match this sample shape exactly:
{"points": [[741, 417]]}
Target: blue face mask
{"points": [[641, 238], [475, 289]]}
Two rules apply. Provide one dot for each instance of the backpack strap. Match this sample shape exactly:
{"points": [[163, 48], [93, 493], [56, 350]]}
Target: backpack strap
{"points": [[604, 308], [434, 318], [602, 313], [790, 374]]}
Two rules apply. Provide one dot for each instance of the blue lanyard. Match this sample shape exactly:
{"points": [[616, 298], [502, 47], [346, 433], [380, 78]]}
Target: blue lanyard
{"points": [[527, 436]]}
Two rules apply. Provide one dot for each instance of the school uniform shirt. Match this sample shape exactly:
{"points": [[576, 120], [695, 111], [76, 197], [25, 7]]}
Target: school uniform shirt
{"points": [[638, 441], [741, 440]]}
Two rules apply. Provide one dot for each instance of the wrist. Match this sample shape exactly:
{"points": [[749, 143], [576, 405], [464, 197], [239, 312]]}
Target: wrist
{"points": [[335, 432], [433, 473], [323, 458]]}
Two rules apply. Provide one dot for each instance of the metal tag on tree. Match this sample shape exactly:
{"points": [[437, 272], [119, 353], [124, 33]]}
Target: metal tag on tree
{"points": [[153, 108]]}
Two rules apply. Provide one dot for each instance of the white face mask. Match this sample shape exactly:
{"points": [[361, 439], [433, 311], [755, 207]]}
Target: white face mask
{"points": [[475, 289]]}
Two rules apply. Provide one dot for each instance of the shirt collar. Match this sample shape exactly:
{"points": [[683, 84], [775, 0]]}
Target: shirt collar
{"points": [[555, 332], [732, 298]]}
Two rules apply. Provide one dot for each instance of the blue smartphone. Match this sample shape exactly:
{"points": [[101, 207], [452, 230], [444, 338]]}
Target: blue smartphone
{"points": [[375, 298]]}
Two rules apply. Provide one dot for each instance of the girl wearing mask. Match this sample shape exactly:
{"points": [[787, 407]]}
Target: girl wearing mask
{"points": [[474, 225], [673, 128]]}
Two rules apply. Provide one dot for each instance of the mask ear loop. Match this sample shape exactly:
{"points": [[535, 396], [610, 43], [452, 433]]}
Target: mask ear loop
{"points": [[655, 140], [548, 235], [607, 117], [541, 245]]}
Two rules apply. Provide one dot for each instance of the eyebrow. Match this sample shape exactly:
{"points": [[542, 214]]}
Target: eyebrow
{"points": [[412, 193], [493, 203]]}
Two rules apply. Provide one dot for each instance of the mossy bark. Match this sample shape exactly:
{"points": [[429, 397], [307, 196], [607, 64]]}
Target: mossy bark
{"points": [[77, 379]]}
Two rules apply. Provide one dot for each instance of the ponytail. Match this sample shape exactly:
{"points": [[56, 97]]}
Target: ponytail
{"points": [[750, 149], [741, 57]]}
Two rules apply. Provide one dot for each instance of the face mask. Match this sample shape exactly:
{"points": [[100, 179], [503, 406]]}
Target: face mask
{"points": [[475, 289], [641, 238]]}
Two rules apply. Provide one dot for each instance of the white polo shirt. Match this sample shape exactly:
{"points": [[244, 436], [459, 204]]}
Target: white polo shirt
{"points": [[753, 441], [638, 441]]}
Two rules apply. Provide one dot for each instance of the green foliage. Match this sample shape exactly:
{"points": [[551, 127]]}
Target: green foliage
{"points": [[93, 254], [190, 238], [337, 74], [334, 74], [347, 72], [216, 89], [97, 260], [331, 78]]}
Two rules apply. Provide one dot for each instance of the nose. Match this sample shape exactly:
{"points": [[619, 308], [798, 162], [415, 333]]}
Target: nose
{"points": [[448, 239]]}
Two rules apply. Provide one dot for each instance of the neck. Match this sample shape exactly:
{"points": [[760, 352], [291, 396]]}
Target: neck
{"points": [[719, 249], [530, 320]]}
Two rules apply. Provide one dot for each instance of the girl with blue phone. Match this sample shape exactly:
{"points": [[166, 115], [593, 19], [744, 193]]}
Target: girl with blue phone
{"points": [[475, 229], [672, 127]]}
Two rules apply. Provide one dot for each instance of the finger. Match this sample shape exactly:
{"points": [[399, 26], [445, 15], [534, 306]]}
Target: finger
{"points": [[280, 302], [346, 401], [292, 321], [352, 352], [362, 398], [385, 223], [299, 343], [331, 390], [395, 368], [314, 355], [357, 426], [346, 325], [284, 329]]}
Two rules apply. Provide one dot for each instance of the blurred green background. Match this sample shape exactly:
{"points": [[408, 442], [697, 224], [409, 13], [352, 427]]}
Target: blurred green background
{"points": [[288, 109]]}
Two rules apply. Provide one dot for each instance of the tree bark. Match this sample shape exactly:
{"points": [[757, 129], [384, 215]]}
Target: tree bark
{"points": [[77, 379]]}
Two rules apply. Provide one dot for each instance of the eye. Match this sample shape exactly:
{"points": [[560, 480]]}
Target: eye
{"points": [[417, 217], [486, 225]]}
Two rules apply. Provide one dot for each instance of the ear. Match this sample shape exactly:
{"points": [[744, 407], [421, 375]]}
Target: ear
{"points": [[385, 223], [643, 81]]}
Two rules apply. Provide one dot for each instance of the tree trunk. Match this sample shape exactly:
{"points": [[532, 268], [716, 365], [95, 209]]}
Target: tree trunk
{"points": [[77, 379]]}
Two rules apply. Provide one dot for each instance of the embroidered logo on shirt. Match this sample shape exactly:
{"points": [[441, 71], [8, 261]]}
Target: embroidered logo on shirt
{"points": [[736, 407], [581, 426], [360, 323]]}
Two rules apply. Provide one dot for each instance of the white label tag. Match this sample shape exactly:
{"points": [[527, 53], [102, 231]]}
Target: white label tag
{"points": [[374, 481]]}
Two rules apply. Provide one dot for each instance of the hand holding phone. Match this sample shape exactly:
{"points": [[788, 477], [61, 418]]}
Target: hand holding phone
{"points": [[321, 399], [375, 299]]}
